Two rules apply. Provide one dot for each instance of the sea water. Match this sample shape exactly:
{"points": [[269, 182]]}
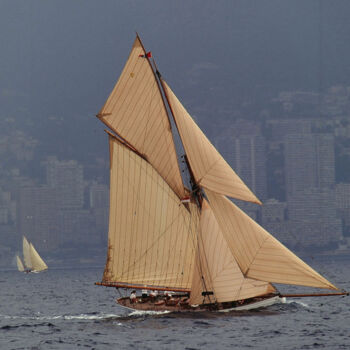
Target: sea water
{"points": [[63, 309]]}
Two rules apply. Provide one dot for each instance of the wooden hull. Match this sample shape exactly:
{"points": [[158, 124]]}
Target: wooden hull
{"points": [[179, 304]]}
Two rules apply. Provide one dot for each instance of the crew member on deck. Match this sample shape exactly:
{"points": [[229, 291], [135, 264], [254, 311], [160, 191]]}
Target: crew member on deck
{"points": [[133, 298]]}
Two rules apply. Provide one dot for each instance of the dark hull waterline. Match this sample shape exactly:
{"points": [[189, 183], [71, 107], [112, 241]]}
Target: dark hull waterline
{"points": [[180, 304]]}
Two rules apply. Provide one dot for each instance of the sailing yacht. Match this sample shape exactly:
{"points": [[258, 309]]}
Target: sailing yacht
{"points": [[185, 245], [32, 261]]}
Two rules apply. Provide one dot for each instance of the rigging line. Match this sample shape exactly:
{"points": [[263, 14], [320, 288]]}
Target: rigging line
{"points": [[127, 199], [157, 250], [169, 247], [196, 248], [134, 220], [189, 230], [201, 268], [149, 173], [113, 194]]}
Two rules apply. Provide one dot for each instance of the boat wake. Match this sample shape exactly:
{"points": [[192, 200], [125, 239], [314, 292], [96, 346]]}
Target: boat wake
{"points": [[297, 302], [64, 317], [138, 313]]}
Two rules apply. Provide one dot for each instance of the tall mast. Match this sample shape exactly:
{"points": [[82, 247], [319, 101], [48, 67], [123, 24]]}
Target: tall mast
{"points": [[195, 188]]}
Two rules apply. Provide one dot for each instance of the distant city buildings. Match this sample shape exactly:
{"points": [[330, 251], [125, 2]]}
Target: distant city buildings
{"points": [[309, 162], [244, 149], [68, 179], [65, 211], [288, 159]]}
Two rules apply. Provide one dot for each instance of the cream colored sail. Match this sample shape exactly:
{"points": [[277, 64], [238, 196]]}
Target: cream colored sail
{"points": [[135, 110], [20, 265], [216, 269], [38, 263], [209, 167], [151, 233], [258, 254], [26, 254]]}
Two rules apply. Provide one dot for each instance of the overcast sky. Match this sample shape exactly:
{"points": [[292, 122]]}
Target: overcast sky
{"points": [[62, 57]]}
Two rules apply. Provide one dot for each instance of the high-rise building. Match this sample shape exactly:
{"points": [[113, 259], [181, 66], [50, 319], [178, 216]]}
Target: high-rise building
{"points": [[277, 129], [247, 156], [313, 213], [99, 204], [309, 162], [67, 178]]}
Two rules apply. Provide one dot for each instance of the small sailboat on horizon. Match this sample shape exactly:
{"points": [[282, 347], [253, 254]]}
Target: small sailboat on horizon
{"points": [[32, 261], [183, 243]]}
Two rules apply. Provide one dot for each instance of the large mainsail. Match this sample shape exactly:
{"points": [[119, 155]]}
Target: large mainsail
{"points": [[151, 233], [258, 254], [135, 110], [209, 167], [216, 270], [38, 263]]}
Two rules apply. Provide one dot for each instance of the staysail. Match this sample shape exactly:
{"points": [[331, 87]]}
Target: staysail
{"points": [[258, 254], [135, 110], [151, 233], [38, 263], [20, 265], [216, 270], [209, 167]]}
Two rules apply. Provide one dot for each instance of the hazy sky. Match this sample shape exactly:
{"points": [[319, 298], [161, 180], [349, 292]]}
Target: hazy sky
{"points": [[63, 57]]}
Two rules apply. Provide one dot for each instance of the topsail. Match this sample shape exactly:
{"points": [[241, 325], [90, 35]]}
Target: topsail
{"points": [[135, 111]]}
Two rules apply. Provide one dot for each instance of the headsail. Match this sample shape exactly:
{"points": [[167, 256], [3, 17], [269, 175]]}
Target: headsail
{"points": [[216, 270], [20, 265], [26, 254], [38, 263], [151, 233], [258, 254], [135, 110], [209, 167]]}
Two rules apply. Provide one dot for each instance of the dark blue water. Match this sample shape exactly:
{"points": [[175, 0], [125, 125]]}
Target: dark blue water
{"points": [[63, 309]]}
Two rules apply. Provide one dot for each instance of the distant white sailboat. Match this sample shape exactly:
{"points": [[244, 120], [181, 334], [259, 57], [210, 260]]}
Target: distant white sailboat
{"points": [[32, 262]]}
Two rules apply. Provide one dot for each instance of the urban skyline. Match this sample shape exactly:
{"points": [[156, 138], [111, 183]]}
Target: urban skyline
{"points": [[64, 208]]}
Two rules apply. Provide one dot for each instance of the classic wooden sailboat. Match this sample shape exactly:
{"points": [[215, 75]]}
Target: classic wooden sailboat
{"points": [[32, 261], [187, 246]]}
